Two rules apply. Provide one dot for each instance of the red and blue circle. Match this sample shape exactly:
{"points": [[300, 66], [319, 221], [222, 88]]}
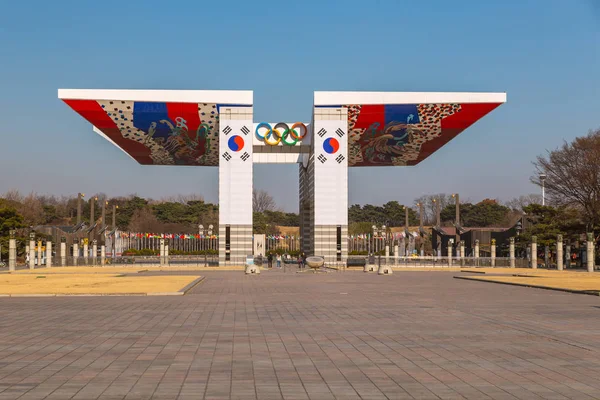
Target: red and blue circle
{"points": [[331, 145], [236, 143]]}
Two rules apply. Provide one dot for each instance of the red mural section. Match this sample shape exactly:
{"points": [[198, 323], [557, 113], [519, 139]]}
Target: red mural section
{"points": [[95, 114]]}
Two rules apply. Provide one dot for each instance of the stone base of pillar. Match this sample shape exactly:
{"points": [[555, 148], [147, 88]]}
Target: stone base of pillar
{"points": [[325, 243], [240, 244]]}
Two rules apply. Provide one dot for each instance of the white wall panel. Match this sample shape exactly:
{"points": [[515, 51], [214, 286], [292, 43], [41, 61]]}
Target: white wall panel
{"points": [[235, 168]]}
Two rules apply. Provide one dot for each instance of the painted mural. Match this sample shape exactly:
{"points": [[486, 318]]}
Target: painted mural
{"points": [[158, 133], [405, 134]]}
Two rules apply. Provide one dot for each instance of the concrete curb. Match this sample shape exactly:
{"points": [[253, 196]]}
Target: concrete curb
{"points": [[190, 285], [588, 292]]}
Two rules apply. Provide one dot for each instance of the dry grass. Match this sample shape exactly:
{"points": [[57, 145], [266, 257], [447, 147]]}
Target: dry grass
{"points": [[550, 279], [121, 270], [42, 283]]}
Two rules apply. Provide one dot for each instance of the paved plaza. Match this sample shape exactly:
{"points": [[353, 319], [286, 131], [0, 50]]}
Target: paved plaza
{"points": [[341, 335]]}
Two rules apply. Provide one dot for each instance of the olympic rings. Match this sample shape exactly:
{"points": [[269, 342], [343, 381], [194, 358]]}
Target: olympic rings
{"points": [[274, 135]]}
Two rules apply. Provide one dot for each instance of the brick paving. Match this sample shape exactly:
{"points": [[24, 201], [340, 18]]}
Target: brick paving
{"points": [[348, 335]]}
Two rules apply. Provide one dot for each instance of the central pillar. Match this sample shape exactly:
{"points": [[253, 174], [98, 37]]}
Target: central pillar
{"points": [[235, 184], [328, 166]]}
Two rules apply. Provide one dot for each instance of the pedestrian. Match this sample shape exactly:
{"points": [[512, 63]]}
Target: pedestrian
{"points": [[299, 262], [303, 260], [278, 260], [270, 260]]}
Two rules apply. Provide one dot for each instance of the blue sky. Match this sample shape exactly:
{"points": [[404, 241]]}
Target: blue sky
{"points": [[544, 54]]}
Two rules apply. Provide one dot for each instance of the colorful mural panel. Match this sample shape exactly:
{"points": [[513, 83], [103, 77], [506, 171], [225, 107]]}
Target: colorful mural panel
{"points": [[406, 134], [157, 133]]}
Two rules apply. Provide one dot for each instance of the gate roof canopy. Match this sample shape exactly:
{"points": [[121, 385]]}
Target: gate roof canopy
{"points": [[181, 127]]}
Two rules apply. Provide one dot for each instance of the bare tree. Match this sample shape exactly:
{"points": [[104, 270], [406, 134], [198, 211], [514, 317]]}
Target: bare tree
{"points": [[429, 205], [573, 176], [518, 203], [262, 201]]}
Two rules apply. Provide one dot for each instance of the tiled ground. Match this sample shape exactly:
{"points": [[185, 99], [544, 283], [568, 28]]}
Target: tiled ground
{"points": [[297, 336]]}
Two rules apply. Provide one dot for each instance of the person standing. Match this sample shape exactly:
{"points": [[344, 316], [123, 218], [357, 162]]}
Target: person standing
{"points": [[278, 260], [270, 260]]}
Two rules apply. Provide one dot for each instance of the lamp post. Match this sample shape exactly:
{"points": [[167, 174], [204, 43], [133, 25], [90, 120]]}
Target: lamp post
{"points": [[543, 182]]}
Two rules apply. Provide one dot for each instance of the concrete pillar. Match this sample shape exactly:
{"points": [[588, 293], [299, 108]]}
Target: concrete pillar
{"points": [[476, 254], [102, 255], [559, 253], [39, 253], [63, 253], [166, 254], [12, 254], [534, 252], [75, 254], [48, 254], [396, 255], [162, 252], [511, 251], [493, 252], [94, 251], [86, 252], [31, 254], [387, 251], [590, 252], [461, 253], [449, 254], [568, 256]]}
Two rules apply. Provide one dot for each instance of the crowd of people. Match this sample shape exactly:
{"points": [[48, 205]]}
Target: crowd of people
{"points": [[285, 258]]}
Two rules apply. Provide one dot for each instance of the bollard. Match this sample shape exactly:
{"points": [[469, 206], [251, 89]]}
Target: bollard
{"points": [[12, 251], [559, 253], [462, 253], [102, 255], [39, 253], [534, 252], [493, 253], [161, 252], [48, 254], [94, 251], [86, 251], [396, 254], [476, 252], [75, 254], [511, 251], [31, 254], [449, 254], [590, 252], [63, 252]]}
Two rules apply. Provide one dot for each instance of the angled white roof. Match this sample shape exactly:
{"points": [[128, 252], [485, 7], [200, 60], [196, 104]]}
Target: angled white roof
{"points": [[238, 97], [342, 98]]}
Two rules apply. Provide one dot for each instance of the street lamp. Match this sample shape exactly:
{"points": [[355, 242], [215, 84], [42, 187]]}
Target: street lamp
{"points": [[543, 182]]}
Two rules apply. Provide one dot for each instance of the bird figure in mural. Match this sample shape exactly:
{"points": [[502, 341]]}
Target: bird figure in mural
{"points": [[390, 143], [151, 132], [410, 118]]}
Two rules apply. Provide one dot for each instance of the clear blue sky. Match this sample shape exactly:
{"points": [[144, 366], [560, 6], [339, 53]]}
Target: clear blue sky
{"points": [[544, 54]]}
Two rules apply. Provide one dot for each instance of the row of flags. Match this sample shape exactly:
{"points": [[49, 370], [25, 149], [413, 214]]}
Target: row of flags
{"points": [[369, 236], [140, 235]]}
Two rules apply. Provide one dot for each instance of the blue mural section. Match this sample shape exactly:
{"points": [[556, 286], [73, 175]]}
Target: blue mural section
{"points": [[147, 115]]}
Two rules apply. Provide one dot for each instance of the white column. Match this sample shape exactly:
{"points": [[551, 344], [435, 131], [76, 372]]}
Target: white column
{"points": [[476, 255], [449, 254], [161, 252], [590, 252], [559, 253], [236, 133], [330, 181], [534, 252], [493, 252], [31, 254], [39, 253], [48, 254], [511, 250], [86, 251], [102, 255], [12, 254], [94, 251], [75, 254], [63, 253], [396, 255]]}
